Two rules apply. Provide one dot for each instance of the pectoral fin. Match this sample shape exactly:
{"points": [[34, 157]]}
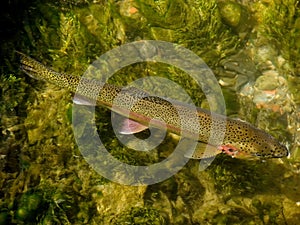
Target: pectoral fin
{"points": [[131, 127]]}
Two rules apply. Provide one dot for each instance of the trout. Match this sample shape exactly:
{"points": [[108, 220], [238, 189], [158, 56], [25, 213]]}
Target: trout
{"points": [[241, 139]]}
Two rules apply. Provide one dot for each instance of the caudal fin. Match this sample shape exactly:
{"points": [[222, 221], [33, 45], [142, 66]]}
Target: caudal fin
{"points": [[33, 68]]}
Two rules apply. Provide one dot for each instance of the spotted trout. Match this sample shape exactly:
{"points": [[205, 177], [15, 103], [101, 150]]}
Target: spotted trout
{"points": [[241, 139]]}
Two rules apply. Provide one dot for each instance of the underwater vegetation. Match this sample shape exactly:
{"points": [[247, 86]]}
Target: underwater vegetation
{"points": [[252, 47]]}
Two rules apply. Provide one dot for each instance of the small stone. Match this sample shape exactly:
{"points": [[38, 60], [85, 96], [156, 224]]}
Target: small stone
{"points": [[230, 13], [266, 83]]}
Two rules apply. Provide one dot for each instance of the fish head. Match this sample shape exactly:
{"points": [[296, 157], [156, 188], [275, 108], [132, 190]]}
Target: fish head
{"points": [[263, 145], [269, 147]]}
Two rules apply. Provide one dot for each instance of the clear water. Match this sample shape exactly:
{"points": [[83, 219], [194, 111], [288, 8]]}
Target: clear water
{"points": [[253, 50]]}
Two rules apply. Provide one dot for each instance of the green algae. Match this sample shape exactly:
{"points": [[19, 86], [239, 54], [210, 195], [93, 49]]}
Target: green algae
{"points": [[43, 156], [281, 26], [12, 118], [140, 215], [29, 207]]}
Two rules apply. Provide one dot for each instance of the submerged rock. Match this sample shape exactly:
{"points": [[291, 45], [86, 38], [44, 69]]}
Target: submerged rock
{"points": [[235, 15]]}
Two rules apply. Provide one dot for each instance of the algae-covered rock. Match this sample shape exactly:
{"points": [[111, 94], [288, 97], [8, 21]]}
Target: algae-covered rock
{"points": [[235, 15]]}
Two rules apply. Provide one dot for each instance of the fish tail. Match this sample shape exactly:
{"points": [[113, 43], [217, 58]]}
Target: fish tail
{"points": [[35, 69]]}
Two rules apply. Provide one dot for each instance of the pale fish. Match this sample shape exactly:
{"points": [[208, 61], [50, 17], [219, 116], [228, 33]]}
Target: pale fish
{"points": [[241, 138]]}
